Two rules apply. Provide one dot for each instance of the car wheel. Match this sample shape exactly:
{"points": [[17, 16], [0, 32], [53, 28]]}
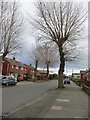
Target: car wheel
{"points": [[7, 84]]}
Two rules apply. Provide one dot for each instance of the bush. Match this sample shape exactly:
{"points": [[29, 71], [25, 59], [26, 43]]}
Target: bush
{"points": [[27, 77], [52, 76]]}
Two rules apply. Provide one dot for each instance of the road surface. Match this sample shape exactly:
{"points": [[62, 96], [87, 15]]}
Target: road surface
{"points": [[16, 96]]}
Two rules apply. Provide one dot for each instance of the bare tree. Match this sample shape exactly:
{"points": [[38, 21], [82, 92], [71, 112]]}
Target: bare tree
{"points": [[36, 56], [62, 23], [49, 56], [10, 27]]}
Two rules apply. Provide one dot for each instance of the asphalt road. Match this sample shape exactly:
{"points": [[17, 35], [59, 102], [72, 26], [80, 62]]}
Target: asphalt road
{"points": [[70, 102], [13, 97]]}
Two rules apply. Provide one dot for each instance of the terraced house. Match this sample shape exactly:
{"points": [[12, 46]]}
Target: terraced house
{"points": [[15, 68]]}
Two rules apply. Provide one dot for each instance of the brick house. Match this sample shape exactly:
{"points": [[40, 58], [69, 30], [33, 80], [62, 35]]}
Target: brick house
{"points": [[88, 75], [30, 71], [83, 75], [41, 74], [13, 67]]}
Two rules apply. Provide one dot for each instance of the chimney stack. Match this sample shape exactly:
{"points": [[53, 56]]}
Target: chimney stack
{"points": [[14, 58]]}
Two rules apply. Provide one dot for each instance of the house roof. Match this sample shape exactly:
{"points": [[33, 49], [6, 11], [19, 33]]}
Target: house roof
{"points": [[14, 62], [82, 71], [42, 71], [32, 68]]}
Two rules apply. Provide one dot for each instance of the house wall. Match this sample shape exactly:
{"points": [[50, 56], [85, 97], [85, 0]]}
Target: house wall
{"points": [[30, 72], [15, 71], [5, 68], [88, 75], [8, 70], [83, 75]]}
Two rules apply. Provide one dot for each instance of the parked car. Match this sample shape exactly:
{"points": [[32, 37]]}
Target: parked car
{"points": [[1, 76], [9, 80], [20, 78], [66, 81]]}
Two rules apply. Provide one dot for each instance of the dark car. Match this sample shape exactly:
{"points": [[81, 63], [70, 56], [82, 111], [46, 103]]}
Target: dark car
{"points": [[9, 80], [66, 81]]}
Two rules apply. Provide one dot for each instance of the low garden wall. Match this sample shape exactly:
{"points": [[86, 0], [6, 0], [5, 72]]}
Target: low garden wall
{"points": [[86, 89], [84, 84]]}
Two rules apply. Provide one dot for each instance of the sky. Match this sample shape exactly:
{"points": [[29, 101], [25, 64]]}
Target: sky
{"points": [[28, 39]]}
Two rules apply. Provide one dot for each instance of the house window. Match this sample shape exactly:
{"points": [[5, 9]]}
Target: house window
{"points": [[16, 67], [12, 66], [22, 68]]}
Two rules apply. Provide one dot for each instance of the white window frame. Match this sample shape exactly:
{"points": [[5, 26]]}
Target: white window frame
{"points": [[12, 66], [22, 68], [17, 67]]}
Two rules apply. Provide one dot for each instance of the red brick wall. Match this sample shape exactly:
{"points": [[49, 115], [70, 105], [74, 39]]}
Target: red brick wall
{"points": [[5, 68], [83, 75], [30, 71], [16, 71]]}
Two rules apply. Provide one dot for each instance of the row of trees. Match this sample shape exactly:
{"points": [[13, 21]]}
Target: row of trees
{"points": [[45, 56], [59, 25]]}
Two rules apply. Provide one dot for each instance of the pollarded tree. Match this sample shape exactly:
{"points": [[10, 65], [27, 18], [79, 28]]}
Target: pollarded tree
{"points": [[10, 27], [49, 56], [62, 23], [35, 56]]}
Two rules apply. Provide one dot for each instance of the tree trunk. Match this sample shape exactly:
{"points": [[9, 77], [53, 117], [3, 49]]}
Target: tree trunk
{"points": [[4, 54], [47, 70], [61, 68], [36, 65]]}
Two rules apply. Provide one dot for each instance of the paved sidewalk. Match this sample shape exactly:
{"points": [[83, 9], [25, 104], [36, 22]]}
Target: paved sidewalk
{"points": [[70, 102]]}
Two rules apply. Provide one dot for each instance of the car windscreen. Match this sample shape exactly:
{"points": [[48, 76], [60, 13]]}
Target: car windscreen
{"points": [[4, 77]]}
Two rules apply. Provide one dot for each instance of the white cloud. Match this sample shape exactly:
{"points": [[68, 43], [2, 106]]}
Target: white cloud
{"points": [[28, 7]]}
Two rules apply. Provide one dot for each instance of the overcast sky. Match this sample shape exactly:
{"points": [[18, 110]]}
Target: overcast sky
{"points": [[29, 40]]}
